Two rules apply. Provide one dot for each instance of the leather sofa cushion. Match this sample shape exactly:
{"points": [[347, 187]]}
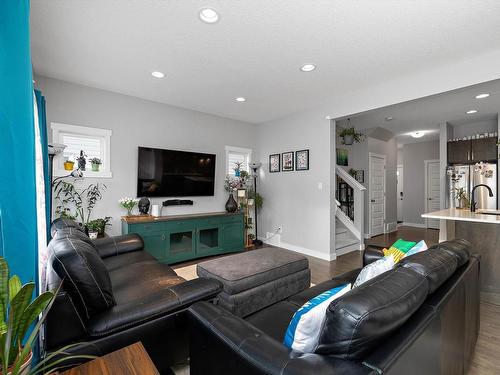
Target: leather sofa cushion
{"points": [[72, 232], [434, 264], [459, 248], [128, 259], [358, 321], [274, 320], [84, 273], [61, 223]]}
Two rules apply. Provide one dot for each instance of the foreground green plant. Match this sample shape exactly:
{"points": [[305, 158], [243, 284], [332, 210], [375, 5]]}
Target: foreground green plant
{"points": [[17, 312]]}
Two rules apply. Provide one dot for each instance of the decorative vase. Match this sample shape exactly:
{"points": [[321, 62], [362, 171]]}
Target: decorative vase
{"points": [[129, 212], [231, 205], [95, 167], [68, 165], [348, 139]]}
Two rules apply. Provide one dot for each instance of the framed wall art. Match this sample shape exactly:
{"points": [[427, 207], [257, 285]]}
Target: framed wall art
{"points": [[287, 161], [302, 160], [274, 163]]}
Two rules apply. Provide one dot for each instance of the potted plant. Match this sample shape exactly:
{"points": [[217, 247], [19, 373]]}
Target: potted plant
{"points": [[95, 163], [93, 229], [101, 224], [257, 199], [18, 313], [230, 185], [69, 165], [82, 160], [250, 237], [463, 199], [350, 135], [128, 204]]}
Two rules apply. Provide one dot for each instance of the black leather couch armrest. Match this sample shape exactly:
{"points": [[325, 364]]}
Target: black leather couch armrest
{"points": [[63, 324], [111, 246], [222, 343], [371, 254], [152, 306]]}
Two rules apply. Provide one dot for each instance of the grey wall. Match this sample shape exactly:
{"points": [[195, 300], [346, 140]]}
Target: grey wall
{"points": [[414, 155], [294, 199], [475, 127], [136, 122]]}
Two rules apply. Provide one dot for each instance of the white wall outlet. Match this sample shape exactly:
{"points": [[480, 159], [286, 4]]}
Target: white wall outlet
{"points": [[320, 186], [279, 229]]}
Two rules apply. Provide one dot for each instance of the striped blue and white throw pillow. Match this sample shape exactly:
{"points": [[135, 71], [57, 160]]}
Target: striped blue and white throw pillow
{"points": [[304, 328]]}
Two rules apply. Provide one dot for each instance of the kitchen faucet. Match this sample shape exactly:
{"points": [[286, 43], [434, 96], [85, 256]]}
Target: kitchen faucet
{"points": [[473, 201]]}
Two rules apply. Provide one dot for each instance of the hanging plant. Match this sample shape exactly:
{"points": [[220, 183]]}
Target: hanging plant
{"points": [[350, 135]]}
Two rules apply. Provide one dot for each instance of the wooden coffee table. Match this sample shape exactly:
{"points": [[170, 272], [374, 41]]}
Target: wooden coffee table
{"points": [[131, 360]]}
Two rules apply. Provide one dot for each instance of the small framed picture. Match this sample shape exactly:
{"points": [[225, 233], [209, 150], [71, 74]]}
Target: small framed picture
{"points": [[360, 176], [274, 163], [287, 161], [302, 160]]}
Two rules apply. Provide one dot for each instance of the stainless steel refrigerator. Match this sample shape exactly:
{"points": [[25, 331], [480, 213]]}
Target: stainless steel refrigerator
{"points": [[468, 176]]}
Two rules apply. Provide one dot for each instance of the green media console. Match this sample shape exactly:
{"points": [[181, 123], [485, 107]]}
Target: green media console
{"points": [[178, 238]]}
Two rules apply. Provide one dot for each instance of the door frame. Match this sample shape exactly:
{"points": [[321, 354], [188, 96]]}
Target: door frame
{"points": [[426, 167], [380, 156]]}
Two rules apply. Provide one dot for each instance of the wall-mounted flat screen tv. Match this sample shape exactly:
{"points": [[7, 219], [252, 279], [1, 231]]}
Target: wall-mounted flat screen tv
{"points": [[170, 173]]}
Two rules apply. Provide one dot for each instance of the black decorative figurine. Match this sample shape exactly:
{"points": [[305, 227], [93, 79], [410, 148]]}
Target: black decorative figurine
{"points": [[143, 205]]}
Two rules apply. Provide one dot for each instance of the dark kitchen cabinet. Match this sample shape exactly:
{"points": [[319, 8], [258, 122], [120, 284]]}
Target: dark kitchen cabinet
{"points": [[472, 151], [459, 152], [484, 149]]}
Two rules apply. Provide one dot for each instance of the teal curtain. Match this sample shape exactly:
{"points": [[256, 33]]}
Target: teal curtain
{"points": [[42, 122], [18, 225]]}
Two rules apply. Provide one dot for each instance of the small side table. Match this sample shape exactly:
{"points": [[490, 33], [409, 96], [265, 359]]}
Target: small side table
{"points": [[131, 360]]}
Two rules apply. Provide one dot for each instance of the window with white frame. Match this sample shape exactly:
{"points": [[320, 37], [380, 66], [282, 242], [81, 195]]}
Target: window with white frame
{"points": [[94, 142], [237, 155]]}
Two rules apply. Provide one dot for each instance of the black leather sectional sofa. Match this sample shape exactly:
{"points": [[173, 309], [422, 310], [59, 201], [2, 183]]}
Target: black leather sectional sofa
{"points": [[422, 317], [114, 294]]}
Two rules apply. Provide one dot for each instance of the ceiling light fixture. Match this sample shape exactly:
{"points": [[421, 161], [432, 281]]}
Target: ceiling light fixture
{"points": [[482, 96], [158, 74], [471, 112], [308, 67], [419, 134], [240, 99], [388, 118], [209, 15]]}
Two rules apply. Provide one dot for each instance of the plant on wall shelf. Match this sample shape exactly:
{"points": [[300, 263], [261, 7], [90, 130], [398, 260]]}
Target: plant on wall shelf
{"points": [[68, 198], [350, 135], [95, 163]]}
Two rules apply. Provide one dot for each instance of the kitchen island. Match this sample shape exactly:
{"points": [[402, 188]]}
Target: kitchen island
{"points": [[482, 230]]}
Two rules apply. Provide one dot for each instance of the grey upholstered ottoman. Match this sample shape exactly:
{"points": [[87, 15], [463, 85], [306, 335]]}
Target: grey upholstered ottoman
{"points": [[256, 279]]}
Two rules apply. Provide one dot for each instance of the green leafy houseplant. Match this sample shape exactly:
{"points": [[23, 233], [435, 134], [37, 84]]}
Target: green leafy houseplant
{"points": [[69, 198], [95, 163], [100, 224], [258, 199], [463, 198], [350, 134], [17, 312]]}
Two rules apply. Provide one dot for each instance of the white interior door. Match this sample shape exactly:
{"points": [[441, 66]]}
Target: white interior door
{"points": [[377, 194], [432, 199], [399, 175]]}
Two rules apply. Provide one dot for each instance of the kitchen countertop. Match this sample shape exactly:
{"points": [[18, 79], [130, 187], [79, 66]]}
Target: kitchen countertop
{"points": [[464, 215]]}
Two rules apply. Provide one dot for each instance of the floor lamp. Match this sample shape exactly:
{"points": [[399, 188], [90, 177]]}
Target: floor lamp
{"points": [[255, 166]]}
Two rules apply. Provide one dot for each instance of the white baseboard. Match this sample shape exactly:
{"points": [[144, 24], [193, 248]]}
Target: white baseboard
{"points": [[416, 225], [305, 251], [348, 249]]}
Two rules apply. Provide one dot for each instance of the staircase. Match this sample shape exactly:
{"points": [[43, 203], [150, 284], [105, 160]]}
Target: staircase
{"points": [[349, 231]]}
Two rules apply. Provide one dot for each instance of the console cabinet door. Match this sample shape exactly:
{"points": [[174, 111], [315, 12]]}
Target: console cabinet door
{"points": [[459, 152], [156, 245], [484, 149], [208, 240], [232, 236], [181, 239]]}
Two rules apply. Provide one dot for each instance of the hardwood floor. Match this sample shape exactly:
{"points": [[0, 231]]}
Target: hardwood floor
{"points": [[430, 236]]}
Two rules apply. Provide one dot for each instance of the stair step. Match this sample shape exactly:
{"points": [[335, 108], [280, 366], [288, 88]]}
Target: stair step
{"points": [[340, 230], [344, 242]]}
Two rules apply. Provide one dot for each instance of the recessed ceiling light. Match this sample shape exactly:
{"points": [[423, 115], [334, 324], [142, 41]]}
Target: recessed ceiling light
{"points": [[240, 99], [482, 96], [209, 15], [472, 111], [308, 67], [419, 134], [388, 118], [158, 74]]}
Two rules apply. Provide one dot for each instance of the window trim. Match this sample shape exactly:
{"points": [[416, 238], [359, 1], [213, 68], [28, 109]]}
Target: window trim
{"points": [[105, 134], [241, 150]]}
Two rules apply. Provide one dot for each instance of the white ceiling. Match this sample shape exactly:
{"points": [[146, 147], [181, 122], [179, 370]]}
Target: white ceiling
{"points": [[256, 48], [427, 113]]}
